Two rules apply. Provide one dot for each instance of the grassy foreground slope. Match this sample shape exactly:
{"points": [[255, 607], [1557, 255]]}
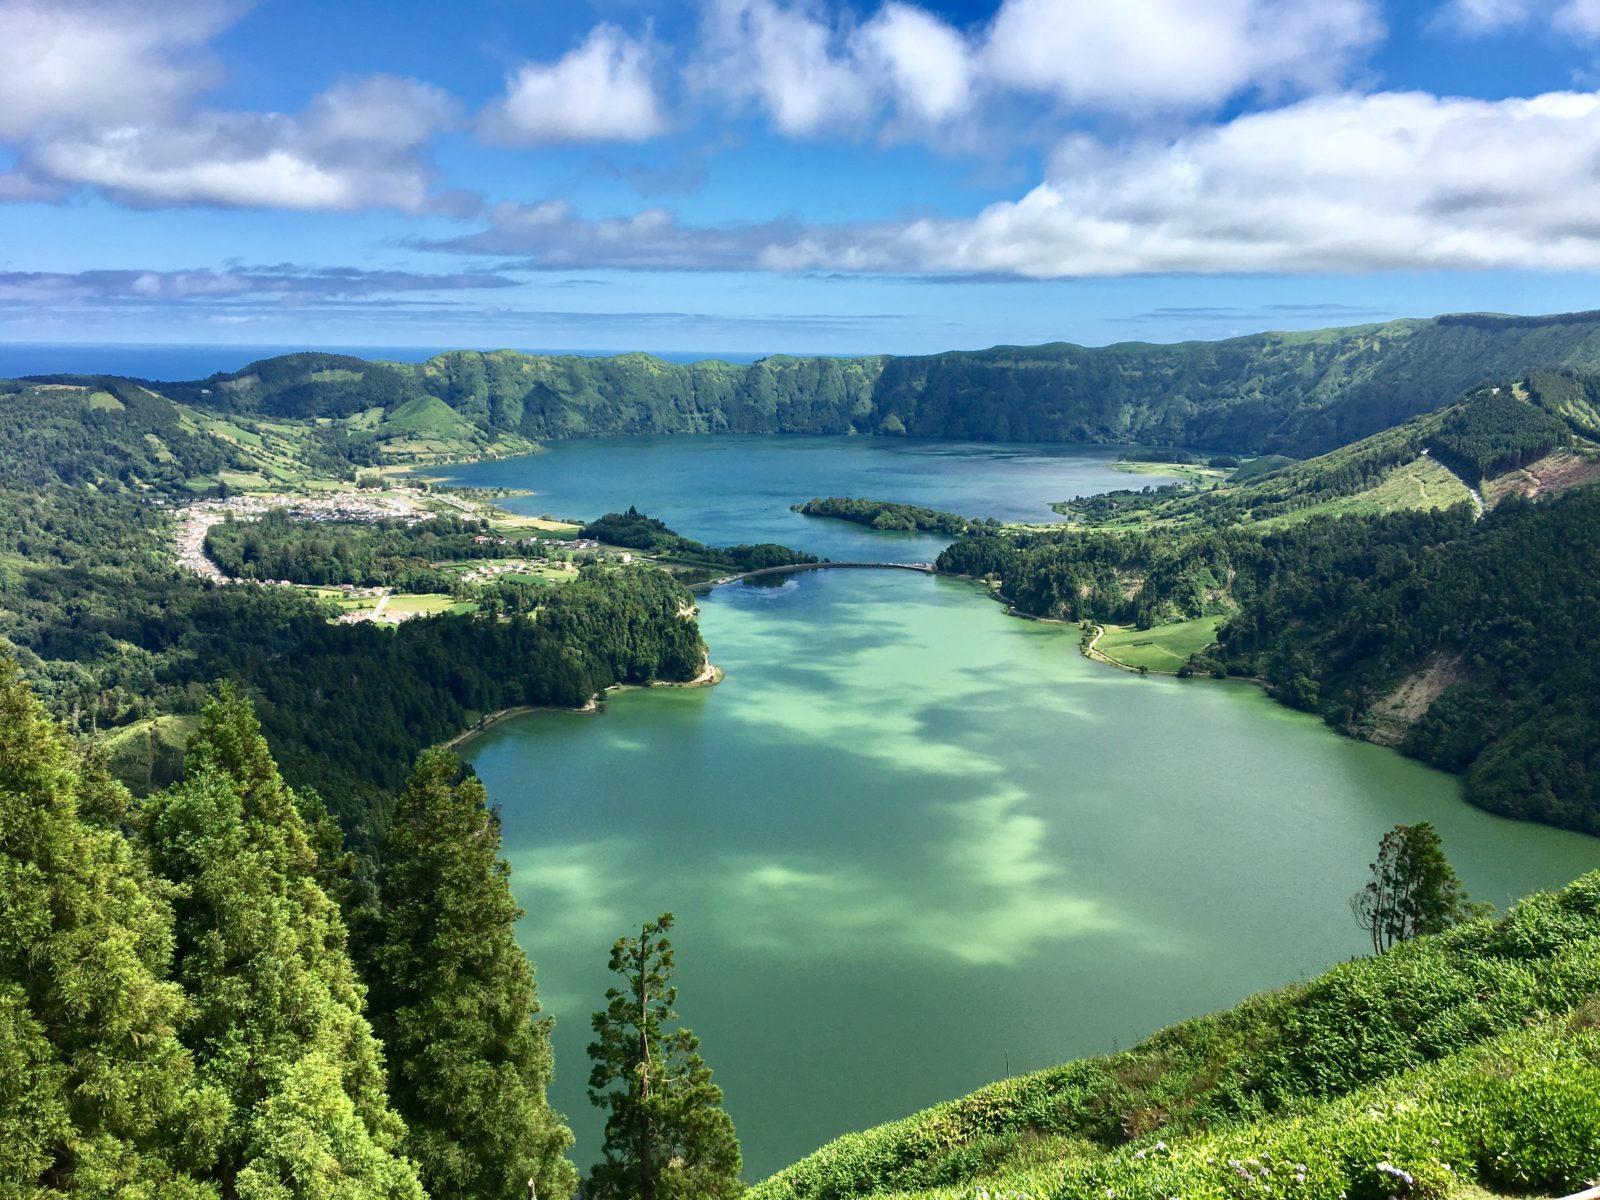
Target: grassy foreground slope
{"points": [[1472, 1056], [1302, 393]]}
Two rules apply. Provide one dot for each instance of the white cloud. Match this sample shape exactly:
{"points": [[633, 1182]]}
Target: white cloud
{"points": [[1391, 181], [355, 147], [103, 94], [1346, 183], [1580, 16], [380, 110], [600, 91], [1486, 16], [1139, 55], [66, 62], [811, 72], [788, 60], [927, 62], [1575, 17]]}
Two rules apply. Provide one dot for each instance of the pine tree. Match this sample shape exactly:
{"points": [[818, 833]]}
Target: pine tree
{"points": [[276, 1019], [1413, 890], [667, 1137], [454, 1000], [97, 1095]]}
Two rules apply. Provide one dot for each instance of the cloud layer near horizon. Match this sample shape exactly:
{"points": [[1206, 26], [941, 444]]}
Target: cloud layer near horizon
{"points": [[1393, 180]]}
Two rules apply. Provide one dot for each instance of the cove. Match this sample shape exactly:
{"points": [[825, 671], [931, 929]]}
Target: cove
{"points": [[913, 843]]}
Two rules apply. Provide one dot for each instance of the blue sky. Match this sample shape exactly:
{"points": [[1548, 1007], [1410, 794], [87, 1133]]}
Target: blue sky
{"points": [[788, 175]]}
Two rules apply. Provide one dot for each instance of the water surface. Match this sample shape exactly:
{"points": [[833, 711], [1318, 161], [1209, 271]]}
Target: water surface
{"points": [[913, 843], [733, 488]]}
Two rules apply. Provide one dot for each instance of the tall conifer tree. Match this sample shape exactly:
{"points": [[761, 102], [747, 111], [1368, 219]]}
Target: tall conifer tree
{"points": [[276, 1018], [667, 1137], [97, 1095], [455, 1003]]}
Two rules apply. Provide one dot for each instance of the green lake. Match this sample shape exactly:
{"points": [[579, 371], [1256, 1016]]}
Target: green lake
{"points": [[914, 843]]}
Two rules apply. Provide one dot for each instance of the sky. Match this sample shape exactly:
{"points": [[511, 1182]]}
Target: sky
{"points": [[756, 176]]}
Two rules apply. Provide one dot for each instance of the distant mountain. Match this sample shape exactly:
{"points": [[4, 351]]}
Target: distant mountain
{"points": [[1295, 393]]}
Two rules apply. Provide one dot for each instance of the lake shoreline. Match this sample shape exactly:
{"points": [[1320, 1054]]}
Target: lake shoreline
{"points": [[710, 675]]}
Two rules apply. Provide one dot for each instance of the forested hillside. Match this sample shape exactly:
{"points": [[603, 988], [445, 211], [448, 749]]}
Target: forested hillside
{"points": [[115, 637], [1299, 393], [181, 1009], [1356, 593]]}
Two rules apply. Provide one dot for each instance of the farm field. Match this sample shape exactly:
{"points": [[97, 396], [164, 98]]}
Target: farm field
{"points": [[1163, 648]]}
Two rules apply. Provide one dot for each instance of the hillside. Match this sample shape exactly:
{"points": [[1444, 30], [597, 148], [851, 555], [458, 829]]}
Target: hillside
{"points": [[1298, 393], [1361, 585], [1468, 1057], [123, 435], [1433, 461]]}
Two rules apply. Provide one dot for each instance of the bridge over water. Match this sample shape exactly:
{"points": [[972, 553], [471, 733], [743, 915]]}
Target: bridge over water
{"points": [[790, 569]]}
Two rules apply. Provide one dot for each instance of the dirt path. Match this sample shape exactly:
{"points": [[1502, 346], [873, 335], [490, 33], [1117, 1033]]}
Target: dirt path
{"points": [[1092, 651]]}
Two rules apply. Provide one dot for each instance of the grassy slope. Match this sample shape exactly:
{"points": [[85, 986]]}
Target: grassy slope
{"points": [[1387, 472], [148, 754], [1379, 1056], [1517, 1113], [1164, 648], [1422, 483]]}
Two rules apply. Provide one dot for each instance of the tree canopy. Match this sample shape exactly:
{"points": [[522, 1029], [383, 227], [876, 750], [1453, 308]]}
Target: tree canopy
{"points": [[454, 1001], [667, 1136]]}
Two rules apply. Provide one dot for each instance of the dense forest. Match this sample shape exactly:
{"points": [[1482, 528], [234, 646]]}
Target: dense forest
{"points": [[1334, 613], [1495, 432], [1504, 615], [1493, 623], [105, 433], [195, 1003], [638, 532], [885, 515], [1296, 393]]}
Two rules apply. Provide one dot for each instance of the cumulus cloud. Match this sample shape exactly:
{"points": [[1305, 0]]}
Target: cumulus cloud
{"points": [[68, 62], [785, 58], [927, 63], [1136, 55], [105, 94], [354, 147], [811, 72], [1575, 17], [1343, 183], [1398, 180], [600, 91]]}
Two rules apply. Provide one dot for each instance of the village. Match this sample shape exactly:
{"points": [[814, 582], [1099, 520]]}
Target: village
{"points": [[194, 521], [550, 558]]}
